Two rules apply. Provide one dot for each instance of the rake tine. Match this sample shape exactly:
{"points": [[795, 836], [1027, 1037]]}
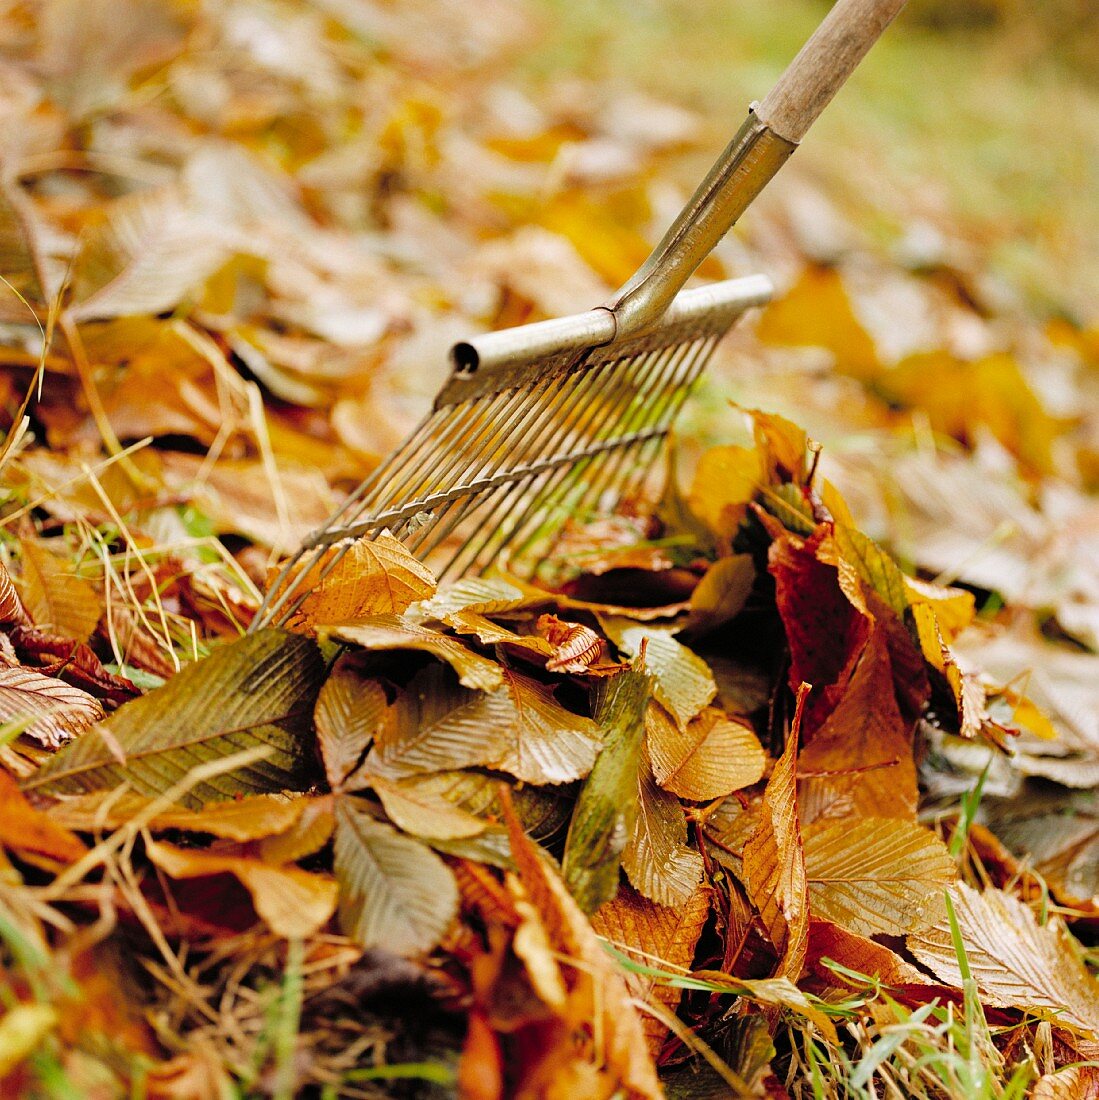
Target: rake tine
{"points": [[613, 383]]}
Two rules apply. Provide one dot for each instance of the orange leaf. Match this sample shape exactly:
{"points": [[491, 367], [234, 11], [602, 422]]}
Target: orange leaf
{"points": [[25, 829]]}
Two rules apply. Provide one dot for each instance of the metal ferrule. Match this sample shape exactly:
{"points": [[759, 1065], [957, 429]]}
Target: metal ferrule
{"points": [[750, 160], [748, 163]]}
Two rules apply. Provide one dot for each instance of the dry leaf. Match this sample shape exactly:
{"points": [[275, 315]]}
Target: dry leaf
{"points": [[877, 876], [394, 892], [58, 600], [774, 861], [348, 713], [1016, 962], [721, 594], [713, 756], [385, 632], [258, 691], [292, 902], [25, 829], [596, 990], [55, 712], [682, 681], [376, 576], [656, 859], [654, 936], [417, 806], [1073, 1083]]}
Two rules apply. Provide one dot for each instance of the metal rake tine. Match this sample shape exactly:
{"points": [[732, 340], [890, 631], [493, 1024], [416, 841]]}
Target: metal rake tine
{"points": [[637, 419], [560, 431], [624, 385], [611, 382]]}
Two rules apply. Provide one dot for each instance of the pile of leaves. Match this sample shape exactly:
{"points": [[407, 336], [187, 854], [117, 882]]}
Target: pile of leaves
{"points": [[728, 802]]}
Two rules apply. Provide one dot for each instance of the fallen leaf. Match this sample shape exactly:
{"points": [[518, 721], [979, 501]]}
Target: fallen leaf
{"points": [[721, 594], [1072, 1083], [774, 860], [58, 600], [817, 312], [656, 859], [25, 829], [11, 607], [596, 990], [876, 876], [375, 576], [654, 936], [348, 713], [1015, 961], [519, 728], [607, 805], [417, 806], [387, 632], [682, 681], [394, 892], [55, 712], [258, 691], [291, 902], [726, 479], [713, 756]]}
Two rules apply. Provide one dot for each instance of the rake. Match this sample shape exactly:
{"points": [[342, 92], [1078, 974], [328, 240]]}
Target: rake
{"points": [[564, 418]]}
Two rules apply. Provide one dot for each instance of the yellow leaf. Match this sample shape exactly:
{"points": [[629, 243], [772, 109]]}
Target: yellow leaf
{"points": [[377, 576], [954, 608], [416, 805], [877, 875], [58, 600], [816, 312], [726, 479], [682, 680], [713, 756], [292, 902]]}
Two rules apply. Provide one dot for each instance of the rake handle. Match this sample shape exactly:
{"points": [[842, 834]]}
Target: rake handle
{"points": [[823, 65]]}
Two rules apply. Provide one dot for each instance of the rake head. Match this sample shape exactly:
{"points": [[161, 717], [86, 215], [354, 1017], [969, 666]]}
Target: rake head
{"points": [[536, 425]]}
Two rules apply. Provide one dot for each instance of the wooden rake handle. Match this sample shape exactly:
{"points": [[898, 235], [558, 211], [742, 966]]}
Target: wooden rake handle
{"points": [[755, 154], [823, 65]]}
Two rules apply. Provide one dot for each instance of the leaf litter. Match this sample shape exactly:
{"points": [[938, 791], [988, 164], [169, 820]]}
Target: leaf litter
{"points": [[788, 766]]}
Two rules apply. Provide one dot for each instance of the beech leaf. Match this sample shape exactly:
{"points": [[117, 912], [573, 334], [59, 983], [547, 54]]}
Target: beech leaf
{"points": [[58, 600], [417, 806], [714, 755], [349, 712], [877, 875], [255, 692], [55, 711], [1015, 961], [394, 892], [376, 576], [519, 728], [682, 681], [291, 902], [394, 632], [657, 860]]}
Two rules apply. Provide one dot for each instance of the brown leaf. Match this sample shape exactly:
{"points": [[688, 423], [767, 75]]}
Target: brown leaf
{"points": [[56, 711], [575, 646], [418, 807], [596, 990], [58, 600], [388, 632], [239, 819], [713, 756], [682, 680], [347, 715], [654, 936], [828, 941], [1073, 1083], [11, 607], [292, 902], [25, 829], [774, 861], [721, 594], [1016, 962]]}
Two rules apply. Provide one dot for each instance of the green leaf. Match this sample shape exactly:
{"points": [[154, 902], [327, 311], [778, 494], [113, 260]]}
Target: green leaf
{"points": [[721, 594], [607, 804], [872, 565], [394, 891], [255, 692]]}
